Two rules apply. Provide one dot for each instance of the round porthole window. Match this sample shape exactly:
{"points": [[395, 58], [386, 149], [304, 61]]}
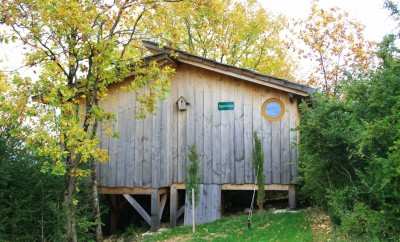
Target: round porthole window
{"points": [[272, 109]]}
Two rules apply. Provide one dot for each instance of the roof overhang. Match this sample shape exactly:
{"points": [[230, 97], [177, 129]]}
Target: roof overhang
{"points": [[229, 70]]}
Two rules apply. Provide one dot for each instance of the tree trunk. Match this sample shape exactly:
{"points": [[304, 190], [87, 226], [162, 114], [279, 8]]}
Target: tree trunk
{"points": [[95, 202], [71, 235]]}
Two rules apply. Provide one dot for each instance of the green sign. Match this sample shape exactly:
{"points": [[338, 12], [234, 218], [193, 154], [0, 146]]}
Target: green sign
{"points": [[226, 105]]}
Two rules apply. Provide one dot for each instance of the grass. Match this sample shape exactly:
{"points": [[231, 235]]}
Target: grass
{"points": [[266, 226]]}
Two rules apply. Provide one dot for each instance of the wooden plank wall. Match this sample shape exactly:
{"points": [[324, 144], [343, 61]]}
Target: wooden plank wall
{"points": [[153, 152], [208, 207]]}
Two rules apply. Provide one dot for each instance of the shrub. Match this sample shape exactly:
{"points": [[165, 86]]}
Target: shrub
{"points": [[258, 164], [193, 178], [350, 153]]}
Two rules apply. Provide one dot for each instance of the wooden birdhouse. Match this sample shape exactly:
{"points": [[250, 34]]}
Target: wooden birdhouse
{"points": [[182, 104]]}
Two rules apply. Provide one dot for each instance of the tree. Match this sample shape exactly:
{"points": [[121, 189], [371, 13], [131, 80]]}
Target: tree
{"points": [[81, 48], [258, 163], [350, 151], [234, 32], [336, 44]]}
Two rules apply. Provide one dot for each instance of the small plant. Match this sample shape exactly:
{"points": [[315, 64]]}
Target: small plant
{"points": [[258, 163], [193, 179]]}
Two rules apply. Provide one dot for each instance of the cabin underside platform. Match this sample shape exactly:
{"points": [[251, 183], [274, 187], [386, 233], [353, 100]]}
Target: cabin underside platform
{"points": [[208, 208]]}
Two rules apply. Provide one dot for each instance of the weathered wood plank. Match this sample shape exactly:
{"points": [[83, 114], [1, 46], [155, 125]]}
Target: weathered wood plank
{"points": [[285, 147], [239, 136], [257, 119], [147, 137], [139, 148], [199, 123], [226, 135], [276, 152], [266, 140], [209, 205], [248, 135], [230, 142], [138, 208], [156, 149], [208, 110], [155, 210], [293, 142], [182, 132], [165, 159], [190, 116], [174, 130], [173, 206], [127, 190], [131, 168], [245, 187], [216, 133], [114, 153]]}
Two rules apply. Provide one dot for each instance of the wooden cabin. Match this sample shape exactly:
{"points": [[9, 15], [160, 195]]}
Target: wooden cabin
{"points": [[217, 108]]}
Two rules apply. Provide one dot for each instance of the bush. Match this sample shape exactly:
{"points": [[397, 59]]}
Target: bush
{"points": [[350, 153], [31, 201]]}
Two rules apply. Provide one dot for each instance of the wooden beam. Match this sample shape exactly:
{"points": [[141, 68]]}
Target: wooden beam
{"points": [[163, 191], [126, 190], [269, 187], [180, 212], [245, 187], [179, 186], [138, 208], [173, 205], [162, 202], [131, 190], [292, 197], [155, 211]]}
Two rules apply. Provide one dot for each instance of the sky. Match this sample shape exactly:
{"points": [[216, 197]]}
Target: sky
{"points": [[370, 13]]}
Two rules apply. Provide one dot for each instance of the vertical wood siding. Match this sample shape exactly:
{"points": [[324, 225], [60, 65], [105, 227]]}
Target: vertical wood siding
{"points": [[153, 152]]}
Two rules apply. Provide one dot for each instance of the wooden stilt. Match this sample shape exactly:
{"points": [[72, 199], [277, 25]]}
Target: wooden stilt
{"points": [[292, 197], [155, 210], [114, 216], [173, 206]]}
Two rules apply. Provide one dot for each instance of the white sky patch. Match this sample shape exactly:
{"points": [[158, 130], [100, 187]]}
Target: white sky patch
{"points": [[370, 13]]}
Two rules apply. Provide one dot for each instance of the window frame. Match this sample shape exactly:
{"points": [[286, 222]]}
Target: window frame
{"points": [[264, 110]]}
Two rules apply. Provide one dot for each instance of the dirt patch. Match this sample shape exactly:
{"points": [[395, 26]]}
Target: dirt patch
{"points": [[180, 238], [321, 224]]}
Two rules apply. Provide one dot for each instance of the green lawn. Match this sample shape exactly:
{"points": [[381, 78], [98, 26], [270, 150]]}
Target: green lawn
{"points": [[266, 226]]}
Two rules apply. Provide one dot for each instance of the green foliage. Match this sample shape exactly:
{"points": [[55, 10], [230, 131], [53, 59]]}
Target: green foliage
{"points": [[31, 201], [291, 227], [193, 178], [258, 164], [350, 152], [234, 32]]}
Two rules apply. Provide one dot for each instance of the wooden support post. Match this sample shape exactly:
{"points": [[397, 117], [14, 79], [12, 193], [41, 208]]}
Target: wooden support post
{"points": [[173, 206], [115, 212], [138, 208], [155, 210], [292, 197]]}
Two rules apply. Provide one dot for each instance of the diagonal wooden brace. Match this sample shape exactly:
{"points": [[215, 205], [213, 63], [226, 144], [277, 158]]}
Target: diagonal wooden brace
{"points": [[138, 208]]}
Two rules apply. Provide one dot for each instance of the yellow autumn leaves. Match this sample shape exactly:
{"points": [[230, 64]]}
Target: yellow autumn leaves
{"points": [[336, 45]]}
